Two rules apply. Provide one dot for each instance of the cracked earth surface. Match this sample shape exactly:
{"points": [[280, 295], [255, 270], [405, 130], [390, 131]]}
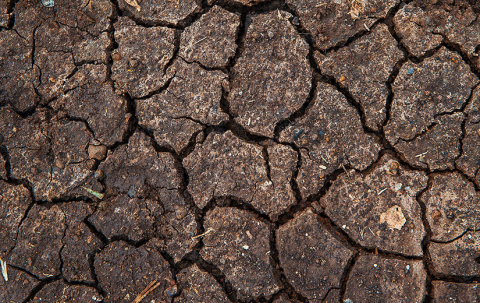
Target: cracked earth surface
{"points": [[240, 151]]}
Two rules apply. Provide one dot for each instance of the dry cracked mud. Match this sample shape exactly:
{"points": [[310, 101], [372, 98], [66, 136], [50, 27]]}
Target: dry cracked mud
{"points": [[274, 151]]}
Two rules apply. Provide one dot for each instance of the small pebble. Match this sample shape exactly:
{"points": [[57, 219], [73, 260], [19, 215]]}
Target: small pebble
{"points": [[99, 175], [172, 290], [97, 152], [410, 71]]}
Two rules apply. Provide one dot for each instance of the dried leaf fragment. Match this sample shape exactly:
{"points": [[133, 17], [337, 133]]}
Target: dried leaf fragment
{"points": [[393, 217], [133, 3], [4, 269], [95, 193]]}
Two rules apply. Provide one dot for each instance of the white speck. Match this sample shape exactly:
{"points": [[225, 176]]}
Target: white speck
{"points": [[347, 301], [344, 226], [469, 236], [246, 247], [306, 235], [240, 93], [375, 265], [408, 267]]}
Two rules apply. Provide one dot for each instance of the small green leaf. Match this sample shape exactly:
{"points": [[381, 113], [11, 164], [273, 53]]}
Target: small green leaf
{"points": [[95, 193]]}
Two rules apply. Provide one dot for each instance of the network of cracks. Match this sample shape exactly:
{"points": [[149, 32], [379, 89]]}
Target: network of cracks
{"points": [[240, 151]]}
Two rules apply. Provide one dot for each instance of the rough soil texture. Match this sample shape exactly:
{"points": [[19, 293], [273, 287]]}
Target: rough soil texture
{"points": [[270, 151]]}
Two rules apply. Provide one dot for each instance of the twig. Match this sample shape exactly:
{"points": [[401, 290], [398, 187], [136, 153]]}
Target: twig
{"points": [[380, 192], [150, 287], [209, 230]]}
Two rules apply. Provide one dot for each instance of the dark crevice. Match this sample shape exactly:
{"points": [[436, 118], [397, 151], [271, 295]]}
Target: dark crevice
{"points": [[279, 272], [346, 275], [217, 274], [181, 24], [283, 124], [426, 240], [231, 201], [39, 287]]}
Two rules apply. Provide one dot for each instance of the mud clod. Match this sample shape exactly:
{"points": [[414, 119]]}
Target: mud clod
{"points": [[210, 41], [272, 77], [124, 271], [312, 259], [239, 246], [329, 136], [374, 278]]}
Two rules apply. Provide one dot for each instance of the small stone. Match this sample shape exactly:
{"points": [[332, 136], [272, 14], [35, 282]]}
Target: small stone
{"points": [[97, 152], [172, 291], [98, 174]]}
